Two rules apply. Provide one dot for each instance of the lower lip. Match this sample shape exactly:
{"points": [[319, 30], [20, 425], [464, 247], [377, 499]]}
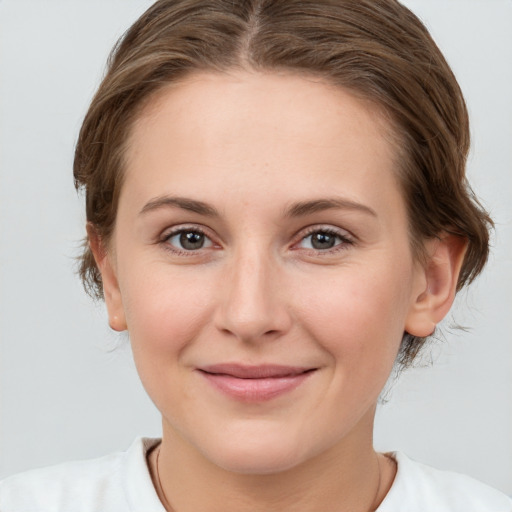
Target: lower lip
{"points": [[255, 390]]}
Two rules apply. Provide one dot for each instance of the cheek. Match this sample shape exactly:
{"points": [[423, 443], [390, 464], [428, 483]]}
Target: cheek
{"points": [[165, 311], [165, 314], [358, 316]]}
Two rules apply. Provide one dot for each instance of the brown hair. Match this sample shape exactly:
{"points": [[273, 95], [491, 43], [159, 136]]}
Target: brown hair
{"points": [[376, 48]]}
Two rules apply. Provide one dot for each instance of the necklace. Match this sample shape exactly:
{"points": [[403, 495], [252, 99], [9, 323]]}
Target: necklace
{"points": [[374, 504], [168, 507], [166, 504]]}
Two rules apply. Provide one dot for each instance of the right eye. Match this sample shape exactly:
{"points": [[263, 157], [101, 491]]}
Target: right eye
{"points": [[188, 240]]}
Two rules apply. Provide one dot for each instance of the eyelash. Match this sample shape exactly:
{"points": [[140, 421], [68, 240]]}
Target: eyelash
{"points": [[345, 240], [167, 236]]}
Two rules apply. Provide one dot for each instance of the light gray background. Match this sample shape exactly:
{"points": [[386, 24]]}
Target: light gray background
{"points": [[66, 395]]}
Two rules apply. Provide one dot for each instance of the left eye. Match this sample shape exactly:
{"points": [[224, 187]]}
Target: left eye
{"points": [[189, 240], [321, 240]]}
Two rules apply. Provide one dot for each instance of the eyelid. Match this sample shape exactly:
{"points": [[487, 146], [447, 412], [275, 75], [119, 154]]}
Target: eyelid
{"points": [[328, 228], [346, 237], [170, 232]]}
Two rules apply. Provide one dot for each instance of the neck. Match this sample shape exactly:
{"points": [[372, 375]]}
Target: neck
{"points": [[351, 475]]}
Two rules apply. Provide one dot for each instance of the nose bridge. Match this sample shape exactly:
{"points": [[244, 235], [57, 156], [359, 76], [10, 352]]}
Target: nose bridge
{"points": [[252, 304]]}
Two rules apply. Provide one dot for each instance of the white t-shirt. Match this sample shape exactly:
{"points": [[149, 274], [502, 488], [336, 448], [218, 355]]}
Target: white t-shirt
{"points": [[122, 483]]}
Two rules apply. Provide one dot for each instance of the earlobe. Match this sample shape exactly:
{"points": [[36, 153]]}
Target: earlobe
{"points": [[437, 284], [111, 291]]}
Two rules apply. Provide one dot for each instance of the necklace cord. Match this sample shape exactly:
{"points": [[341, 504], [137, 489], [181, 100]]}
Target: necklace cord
{"points": [[168, 507], [165, 503], [375, 505]]}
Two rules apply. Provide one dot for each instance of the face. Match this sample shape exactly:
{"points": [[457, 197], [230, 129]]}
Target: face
{"points": [[262, 266]]}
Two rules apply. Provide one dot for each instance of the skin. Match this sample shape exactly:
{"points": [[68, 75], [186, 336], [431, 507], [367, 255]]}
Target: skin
{"points": [[253, 146]]}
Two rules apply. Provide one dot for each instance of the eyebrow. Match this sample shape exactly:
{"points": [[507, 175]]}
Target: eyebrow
{"points": [[308, 207], [184, 203], [300, 209]]}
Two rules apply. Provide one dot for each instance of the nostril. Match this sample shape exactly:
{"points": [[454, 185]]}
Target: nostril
{"points": [[250, 310]]}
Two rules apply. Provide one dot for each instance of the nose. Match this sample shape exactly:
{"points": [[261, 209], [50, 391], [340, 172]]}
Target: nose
{"points": [[253, 305]]}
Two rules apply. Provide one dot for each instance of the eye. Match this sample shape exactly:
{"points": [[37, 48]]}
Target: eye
{"points": [[323, 239], [188, 240]]}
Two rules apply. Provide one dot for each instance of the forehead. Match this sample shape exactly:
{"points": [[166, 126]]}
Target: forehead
{"points": [[245, 99], [259, 130]]}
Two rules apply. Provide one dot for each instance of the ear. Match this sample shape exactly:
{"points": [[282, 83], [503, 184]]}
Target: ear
{"points": [[111, 292], [436, 284]]}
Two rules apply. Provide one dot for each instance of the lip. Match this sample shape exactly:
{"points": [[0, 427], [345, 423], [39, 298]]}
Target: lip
{"points": [[259, 383]]}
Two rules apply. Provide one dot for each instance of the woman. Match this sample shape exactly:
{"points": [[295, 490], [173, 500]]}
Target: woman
{"points": [[278, 215]]}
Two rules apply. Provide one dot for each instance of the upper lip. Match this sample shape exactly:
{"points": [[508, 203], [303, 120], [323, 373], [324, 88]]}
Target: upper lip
{"points": [[263, 371]]}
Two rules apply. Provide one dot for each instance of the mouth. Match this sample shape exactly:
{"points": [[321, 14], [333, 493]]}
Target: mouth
{"points": [[255, 383]]}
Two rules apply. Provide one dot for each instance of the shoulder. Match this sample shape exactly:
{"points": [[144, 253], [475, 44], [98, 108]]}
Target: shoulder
{"points": [[80, 486], [421, 488], [52, 488]]}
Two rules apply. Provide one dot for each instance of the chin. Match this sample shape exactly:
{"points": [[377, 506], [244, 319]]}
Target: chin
{"points": [[258, 454], [257, 462]]}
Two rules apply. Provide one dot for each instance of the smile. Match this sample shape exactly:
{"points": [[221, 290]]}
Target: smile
{"points": [[255, 383]]}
